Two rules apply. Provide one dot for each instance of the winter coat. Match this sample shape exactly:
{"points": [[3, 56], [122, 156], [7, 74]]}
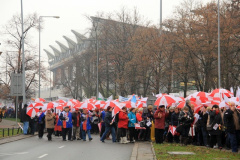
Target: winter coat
{"points": [[139, 117], [132, 119], [160, 122], [229, 121], [147, 114], [108, 118], [76, 115], [24, 116], [215, 118], [202, 120], [168, 119], [123, 120], [86, 122], [185, 121], [66, 118], [174, 119], [49, 120]]}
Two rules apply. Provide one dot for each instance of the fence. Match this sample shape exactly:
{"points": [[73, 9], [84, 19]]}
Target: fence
{"points": [[7, 132]]}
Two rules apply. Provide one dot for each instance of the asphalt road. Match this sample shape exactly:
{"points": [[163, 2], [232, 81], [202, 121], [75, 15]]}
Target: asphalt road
{"points": [[34, 148]]}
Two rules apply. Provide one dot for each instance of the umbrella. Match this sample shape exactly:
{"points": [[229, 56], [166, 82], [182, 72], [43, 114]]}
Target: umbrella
{"points": [[78, 105], [100, 104], [166, 100], [52, 105], [182, 104], [130, 104], [217, 92], [88, 106], [111, 104], [33, 109], [38, 100]]}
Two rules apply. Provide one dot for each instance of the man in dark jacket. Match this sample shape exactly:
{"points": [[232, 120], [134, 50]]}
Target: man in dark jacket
{"points": [[76, 117], [25, 119], [147, 117], [174, 122], [109, 125], [202, 123], [231, 121]]}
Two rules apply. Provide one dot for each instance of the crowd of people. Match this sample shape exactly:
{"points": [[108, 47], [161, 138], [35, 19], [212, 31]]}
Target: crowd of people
{"points": [[7, 112], [211, 127]]}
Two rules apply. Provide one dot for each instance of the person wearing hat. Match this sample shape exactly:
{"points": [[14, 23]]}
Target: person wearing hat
{"points": [[66, 117], [49, 120], [232, 124], [160, 115], [76, 116]]}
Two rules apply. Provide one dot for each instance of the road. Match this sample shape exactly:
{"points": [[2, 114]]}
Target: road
{"points": [[34, 148]]}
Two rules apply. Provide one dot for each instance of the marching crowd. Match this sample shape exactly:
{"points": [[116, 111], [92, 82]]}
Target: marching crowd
{"points": [[211, 127]]}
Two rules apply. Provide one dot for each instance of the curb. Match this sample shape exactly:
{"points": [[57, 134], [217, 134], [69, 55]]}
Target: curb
{"points": [[154, 154], [134, 152], [14, 138]]}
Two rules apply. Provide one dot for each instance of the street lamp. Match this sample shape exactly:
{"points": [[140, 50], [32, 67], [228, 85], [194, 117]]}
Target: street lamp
{"points": [[39, 20]]}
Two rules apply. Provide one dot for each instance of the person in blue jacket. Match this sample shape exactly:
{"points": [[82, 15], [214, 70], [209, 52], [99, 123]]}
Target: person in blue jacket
{"points": [[66, 118], [86, 124], [131, 124]]}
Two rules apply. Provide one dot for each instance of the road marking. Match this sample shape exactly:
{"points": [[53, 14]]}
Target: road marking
{"points": [[43, 156], [11, 154], [61, 147]]}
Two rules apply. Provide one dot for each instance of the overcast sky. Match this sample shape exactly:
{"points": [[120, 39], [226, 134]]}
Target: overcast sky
{"points": [[72, 15]]}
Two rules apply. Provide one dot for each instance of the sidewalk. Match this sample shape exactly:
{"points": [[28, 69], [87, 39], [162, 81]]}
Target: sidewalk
{"points": [[14, 138], [8, 124], [143, 151]]}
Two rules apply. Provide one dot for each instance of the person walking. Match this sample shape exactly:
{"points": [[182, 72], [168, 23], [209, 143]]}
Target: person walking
{"points": [[49, 120], [160, 115], [86, 124], [41, 123], [25, 119], [76, 116], [66, 117], [123, 125], [109, 125], [131, 124]]}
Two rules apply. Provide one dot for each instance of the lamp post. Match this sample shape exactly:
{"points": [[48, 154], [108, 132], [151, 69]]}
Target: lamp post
{"points": [[23, 61], [39, 21], [219, 60]]}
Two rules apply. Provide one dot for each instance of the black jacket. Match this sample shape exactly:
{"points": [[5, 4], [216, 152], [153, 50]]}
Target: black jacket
{"points": [[147, 114], [215, 118], [24, 116], [202, 121], [185, 121], [108, 118], [174, 119], [229, 121], [74, 118]]}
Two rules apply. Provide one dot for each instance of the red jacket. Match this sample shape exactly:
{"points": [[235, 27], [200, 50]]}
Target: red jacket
{"points": [[160, 122], [123, 120], [139, 117]]}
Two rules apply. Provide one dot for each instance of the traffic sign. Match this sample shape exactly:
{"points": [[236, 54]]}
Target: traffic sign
{"points": [[16, 84]]}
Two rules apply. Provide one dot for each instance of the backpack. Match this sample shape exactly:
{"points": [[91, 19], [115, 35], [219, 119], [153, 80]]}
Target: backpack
{"points": [[117, 117]]}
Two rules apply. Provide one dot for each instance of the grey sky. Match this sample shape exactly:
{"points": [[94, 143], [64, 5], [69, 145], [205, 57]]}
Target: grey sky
{"points": [[72, 15]]}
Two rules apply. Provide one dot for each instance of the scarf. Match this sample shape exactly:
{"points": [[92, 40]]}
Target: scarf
{"points": [[216, 112]]}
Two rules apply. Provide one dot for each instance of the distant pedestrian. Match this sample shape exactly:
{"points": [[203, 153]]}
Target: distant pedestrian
{"points": [[76, 116], [109, 126], [123, 125], [1, 115], [25, 119], [49, 119], [66, 117], [41, 123], [86, 124]]}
